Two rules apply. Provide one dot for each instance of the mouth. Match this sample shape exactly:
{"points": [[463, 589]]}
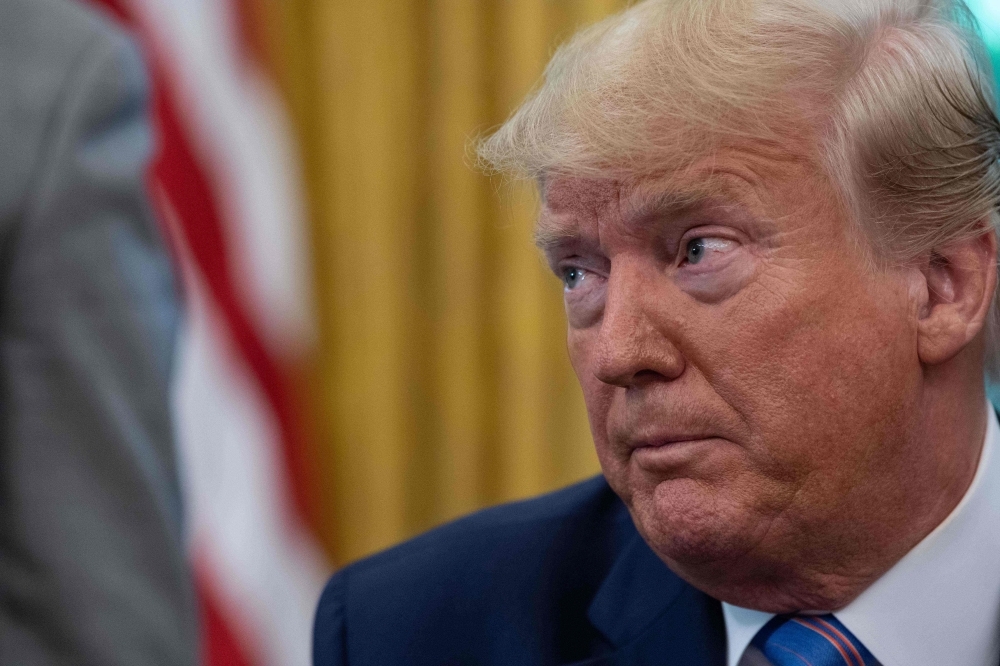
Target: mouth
{"points": [[661, 441], [670, 453]]}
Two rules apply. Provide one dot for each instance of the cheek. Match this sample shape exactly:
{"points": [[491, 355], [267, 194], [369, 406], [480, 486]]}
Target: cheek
{"points": [[597, 395], [822, 374]]}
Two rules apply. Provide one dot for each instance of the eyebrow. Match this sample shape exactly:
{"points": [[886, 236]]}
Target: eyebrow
{"points": [[641, 207], [637, 208], [549, 236]]}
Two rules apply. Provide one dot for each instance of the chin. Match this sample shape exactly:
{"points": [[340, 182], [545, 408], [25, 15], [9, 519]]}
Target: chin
{"points": [[713, 536], [694, 525]]}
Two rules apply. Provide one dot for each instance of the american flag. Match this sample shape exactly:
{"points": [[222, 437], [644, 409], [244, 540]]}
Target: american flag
{"points": [[225, 184]]}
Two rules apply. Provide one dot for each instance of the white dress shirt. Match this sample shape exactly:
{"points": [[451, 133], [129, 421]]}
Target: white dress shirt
{"points": [[940, 604]]}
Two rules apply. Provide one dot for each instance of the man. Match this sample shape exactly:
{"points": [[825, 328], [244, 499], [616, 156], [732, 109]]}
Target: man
{"points": [[92, 568], [776, 225]]}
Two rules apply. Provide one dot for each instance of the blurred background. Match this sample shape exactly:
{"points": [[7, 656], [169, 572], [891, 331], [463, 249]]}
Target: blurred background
{"points": [[441, 383], [373, 344]]}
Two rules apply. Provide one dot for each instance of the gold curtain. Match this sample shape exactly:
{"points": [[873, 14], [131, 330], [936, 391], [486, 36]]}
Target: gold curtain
{"points": [[442, 383]]}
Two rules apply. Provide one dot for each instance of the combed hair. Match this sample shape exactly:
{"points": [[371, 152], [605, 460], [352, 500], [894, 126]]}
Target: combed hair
{"points": [[898, 94]]}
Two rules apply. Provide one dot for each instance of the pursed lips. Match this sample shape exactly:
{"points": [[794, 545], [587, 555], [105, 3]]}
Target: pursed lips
{"points": [[669, 452], [666, 440]]}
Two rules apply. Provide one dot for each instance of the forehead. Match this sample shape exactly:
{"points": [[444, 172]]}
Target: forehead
{"points": [[757, 177]]}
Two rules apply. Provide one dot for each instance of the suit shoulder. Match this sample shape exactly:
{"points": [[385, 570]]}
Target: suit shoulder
{"points": [[42, 43], [514, 527], [535, 563], [55, 29], [46, 48]]}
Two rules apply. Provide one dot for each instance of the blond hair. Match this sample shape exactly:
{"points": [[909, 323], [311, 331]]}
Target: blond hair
{"points": [[899, 92]]}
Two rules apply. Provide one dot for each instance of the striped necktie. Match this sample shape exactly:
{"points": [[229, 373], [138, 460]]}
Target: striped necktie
{"points": [[811, 640]]}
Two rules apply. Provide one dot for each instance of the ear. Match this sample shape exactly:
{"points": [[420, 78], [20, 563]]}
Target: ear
{"points": [[960, 279]]}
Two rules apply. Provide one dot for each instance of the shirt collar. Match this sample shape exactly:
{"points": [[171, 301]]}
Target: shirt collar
{"points": [[940, 604]]}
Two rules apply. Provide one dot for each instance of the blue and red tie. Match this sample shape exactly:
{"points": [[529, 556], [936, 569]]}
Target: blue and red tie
{"points": [[811, 640]]}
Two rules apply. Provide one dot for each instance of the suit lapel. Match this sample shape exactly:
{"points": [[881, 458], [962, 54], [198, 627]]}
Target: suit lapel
{"points": [[650, 616]]}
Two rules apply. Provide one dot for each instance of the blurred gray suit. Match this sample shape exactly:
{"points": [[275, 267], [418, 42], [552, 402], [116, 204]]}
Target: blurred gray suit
{"points": [[91, 561]]}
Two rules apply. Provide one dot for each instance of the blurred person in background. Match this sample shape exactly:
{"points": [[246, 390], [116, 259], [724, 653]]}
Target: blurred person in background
{"points": [[92, 567], [776, 224]]}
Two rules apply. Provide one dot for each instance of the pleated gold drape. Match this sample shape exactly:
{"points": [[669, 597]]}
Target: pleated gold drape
{"points": [[442, 383]]}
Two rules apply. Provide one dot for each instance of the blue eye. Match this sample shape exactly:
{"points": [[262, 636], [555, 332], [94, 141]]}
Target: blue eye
{"points": [[572, 277], [695, 250]]}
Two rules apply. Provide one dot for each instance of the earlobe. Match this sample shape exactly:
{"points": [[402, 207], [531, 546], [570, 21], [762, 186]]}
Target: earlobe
{"points": [[960, 281]]}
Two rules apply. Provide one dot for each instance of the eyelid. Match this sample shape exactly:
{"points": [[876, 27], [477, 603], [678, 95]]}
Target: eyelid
{"points": [[713, 231], [576, 261]]}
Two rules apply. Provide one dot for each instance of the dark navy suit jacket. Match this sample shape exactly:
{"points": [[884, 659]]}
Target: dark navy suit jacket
{"points": [[562, 579]]}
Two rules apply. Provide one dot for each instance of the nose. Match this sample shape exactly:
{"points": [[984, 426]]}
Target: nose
{"points": [[634, 345]]}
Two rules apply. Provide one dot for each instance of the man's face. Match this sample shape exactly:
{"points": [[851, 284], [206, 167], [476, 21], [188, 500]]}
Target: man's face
{"points": [[749, 379]]}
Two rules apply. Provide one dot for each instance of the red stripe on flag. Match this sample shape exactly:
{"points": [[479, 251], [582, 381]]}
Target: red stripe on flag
{"points": [[219, 646], [250, 35]]}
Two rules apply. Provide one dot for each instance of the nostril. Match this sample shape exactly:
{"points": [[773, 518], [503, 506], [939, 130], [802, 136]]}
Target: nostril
{"points": [[647, 377]]}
